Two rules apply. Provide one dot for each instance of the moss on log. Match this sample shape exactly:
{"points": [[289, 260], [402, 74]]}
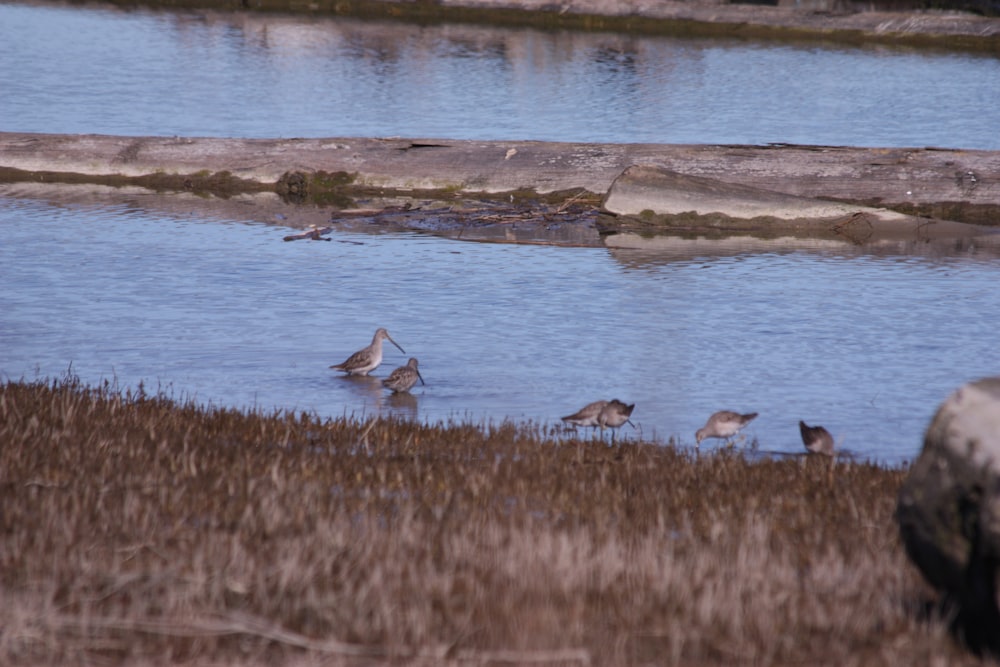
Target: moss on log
{"points": [[963, 185]]}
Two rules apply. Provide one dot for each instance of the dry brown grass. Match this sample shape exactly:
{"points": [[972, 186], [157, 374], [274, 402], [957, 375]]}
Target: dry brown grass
{"points": [[139, 530]]}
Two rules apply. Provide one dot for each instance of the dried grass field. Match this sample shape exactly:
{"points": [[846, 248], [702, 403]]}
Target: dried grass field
{"points": [[135, 529]]}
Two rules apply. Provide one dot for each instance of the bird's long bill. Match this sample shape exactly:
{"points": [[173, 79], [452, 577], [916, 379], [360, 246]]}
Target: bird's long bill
{"points": [[421, 378], [395, 343]]}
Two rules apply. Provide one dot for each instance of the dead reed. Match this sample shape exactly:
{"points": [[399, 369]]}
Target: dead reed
{"points": [[134, 529]]}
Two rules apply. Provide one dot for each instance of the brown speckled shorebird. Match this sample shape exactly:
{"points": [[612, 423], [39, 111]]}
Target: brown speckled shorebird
{"points": [[614, 415], [404, 377], [723, 424], [816, 439], [367, 359], [587, 415]]}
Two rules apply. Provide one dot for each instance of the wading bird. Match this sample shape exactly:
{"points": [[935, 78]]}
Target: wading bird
{"points": [[404, 377], [367, 359], [816, 439], [614, 414], [587, 415], [723, 424]]}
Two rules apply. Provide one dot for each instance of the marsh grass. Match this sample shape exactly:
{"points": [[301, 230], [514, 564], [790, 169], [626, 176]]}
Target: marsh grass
{"points": [[137, 529]]}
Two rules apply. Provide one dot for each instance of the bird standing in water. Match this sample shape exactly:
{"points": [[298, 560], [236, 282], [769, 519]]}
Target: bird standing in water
{"points": [[816, 439], [367, 359], [615, 414], [404, 377], [723, 424], [587, 415]]}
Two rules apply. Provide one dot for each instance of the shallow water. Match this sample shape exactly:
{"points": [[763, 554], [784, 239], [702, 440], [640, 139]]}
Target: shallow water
{"points": [[866, 343], [70, 69]]}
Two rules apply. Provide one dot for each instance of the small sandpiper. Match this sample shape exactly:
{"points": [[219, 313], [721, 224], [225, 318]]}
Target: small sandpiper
{"points": [[723, 424], [366, 360], [614, 414], [404, 377], [816, 439], [587, 415]]}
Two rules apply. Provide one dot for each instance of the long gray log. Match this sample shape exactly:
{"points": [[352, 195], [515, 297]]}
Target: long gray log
{"points": [[671, 200], [942, 183]]}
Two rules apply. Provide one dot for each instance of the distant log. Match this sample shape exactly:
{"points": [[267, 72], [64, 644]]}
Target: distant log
{"points": [[669, 200], [948, 184], [880, 22]]}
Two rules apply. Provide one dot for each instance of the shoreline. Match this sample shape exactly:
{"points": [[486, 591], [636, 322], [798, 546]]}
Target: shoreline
{"points": [[216, 536], [827, 21]]}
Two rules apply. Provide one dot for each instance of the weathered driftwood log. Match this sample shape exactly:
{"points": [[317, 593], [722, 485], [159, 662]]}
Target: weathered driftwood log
{"points": [[960, 185], [949, 509], [675, 201]]}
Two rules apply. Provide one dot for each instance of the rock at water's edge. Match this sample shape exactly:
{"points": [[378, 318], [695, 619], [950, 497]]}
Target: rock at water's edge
{"points": [[949, 509]]}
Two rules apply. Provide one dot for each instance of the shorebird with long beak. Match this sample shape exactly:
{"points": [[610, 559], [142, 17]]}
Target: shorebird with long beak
{"points": [[587, 415], [404, 377], [816, 439], [367, 359], [613, 415], [723, 424]]}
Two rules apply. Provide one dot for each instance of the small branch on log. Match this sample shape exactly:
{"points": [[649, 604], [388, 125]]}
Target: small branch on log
{"points": [[313, 234]]}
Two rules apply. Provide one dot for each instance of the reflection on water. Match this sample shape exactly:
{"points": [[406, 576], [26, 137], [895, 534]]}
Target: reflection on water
{"points": [[77, 69], [865, 343], [635, 251], [368, 391]]}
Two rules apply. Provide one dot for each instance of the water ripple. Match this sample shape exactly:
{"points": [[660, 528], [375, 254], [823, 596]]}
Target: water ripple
{"points": [[865, 344], [82, 69]]}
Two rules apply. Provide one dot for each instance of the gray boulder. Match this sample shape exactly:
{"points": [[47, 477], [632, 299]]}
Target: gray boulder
{"points": [[949, 510]]}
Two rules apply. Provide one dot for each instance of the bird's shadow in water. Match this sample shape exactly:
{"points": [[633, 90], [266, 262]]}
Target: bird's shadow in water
{"points": [[368, 387], [374, 394], [399, 403]]}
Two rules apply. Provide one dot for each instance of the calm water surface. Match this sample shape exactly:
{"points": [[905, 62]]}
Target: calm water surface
{"points": [[225, 312], [229, 314], [138, 72]]}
